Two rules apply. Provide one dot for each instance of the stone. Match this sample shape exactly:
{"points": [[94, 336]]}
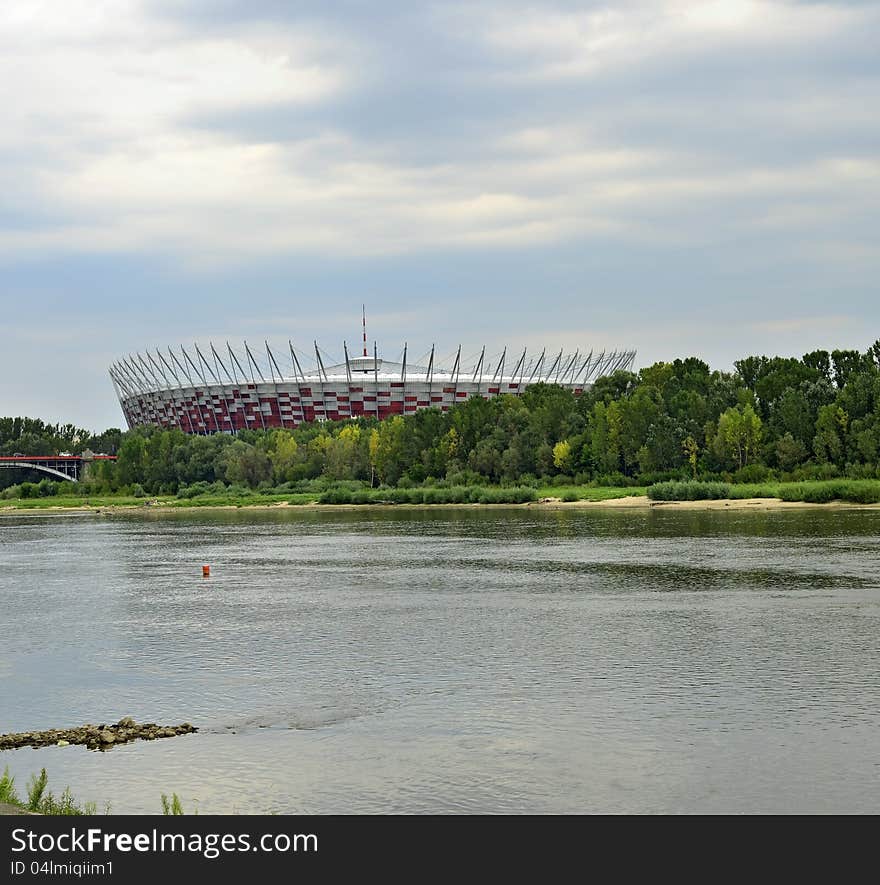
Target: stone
{"points": [[95, 737]]}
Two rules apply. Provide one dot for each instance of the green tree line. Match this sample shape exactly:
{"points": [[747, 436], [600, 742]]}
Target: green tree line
{"points": [[31, 436], [817, 417]]}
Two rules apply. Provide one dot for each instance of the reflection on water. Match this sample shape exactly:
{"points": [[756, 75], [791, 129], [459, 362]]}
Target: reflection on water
{"points": [[452, 660]]}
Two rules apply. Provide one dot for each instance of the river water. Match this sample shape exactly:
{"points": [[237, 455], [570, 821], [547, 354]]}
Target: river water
{"points": [[451, 660]]}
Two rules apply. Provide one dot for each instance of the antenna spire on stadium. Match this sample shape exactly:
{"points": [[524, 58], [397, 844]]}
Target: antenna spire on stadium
{"points": [[364, 317]]}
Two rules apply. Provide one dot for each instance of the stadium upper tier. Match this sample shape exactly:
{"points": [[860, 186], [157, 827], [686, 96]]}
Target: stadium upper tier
{"points": [[224, 390]]}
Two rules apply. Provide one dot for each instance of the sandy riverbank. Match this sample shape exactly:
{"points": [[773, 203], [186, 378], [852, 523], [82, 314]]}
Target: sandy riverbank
{"points": [[632, 502], [733, 504]]}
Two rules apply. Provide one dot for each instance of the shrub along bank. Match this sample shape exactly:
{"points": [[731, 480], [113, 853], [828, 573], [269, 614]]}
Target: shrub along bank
{"points": [[850, 491]]}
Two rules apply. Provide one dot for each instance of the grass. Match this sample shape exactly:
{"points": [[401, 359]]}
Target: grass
{"points": [[39, 799], [171, 806], [688, 491], [590, 493], [855, 491], [254, 500], [432, 495], [71, 501], [110, 501]]}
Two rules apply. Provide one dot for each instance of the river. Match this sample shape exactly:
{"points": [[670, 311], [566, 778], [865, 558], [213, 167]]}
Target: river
{"points": [[451, 660]]}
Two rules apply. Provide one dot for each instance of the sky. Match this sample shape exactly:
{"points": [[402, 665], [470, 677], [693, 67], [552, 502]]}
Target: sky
{"points": [[681, 178]]}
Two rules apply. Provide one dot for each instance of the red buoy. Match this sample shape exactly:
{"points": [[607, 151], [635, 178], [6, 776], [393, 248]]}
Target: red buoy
{"points": [[206, 571]]}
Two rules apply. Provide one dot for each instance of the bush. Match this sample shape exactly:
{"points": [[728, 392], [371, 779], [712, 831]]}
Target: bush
{"points": [[431, 495], [194, 490], [863, 471], [754, 473], [813, 494], [815, 472], [406, 496], [853, 491], [688, 491], [614, 481], [336, 496], [514, 495], [239, 491], [650, 478], [762, 490], [464, 478]]}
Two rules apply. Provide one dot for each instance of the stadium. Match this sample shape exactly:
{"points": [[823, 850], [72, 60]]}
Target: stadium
{"points": [[208, 390]]}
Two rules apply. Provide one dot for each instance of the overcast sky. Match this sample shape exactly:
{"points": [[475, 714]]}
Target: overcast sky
{"points": [[677, 177]]}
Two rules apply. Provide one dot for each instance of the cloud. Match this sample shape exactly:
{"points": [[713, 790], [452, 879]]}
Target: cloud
{"points": [[562, 43], [126, 137], [647, 174]]}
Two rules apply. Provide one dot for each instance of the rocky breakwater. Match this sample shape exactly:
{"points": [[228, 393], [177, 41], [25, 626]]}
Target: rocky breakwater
{"points": [[95, 737]]}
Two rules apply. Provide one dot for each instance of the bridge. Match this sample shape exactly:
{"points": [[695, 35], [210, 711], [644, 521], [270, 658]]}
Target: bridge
{"points": [[67, 467]]}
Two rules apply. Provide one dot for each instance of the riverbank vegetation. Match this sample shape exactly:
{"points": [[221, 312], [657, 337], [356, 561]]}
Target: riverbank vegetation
{"points": [[39, 799], [851, 491], [805, 427]]}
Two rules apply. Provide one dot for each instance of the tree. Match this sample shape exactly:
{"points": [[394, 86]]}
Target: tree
{"points": [[244, 463], [605, 436], [387, 450], [750, 369], [611, 387], [132, 460], [790, 452], [485, 458], [820, 362], [374, 454], [845, 363], [867, 444], [562, 455], [739, 434], [778, 376], [793, 414], [691, 451], [345, 455], [830, 430], [283, 455]]}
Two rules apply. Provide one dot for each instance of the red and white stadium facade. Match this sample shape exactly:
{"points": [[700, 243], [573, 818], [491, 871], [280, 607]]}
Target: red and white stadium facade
{"points": [[226, 391]]}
